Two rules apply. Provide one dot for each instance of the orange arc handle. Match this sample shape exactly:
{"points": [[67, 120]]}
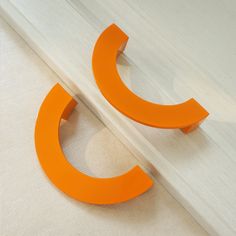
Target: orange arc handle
{"points": [[186, 116], [59, 104]]}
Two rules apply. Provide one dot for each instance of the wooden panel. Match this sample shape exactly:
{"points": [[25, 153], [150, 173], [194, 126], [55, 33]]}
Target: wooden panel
{"points": [[176, 50], [30, 204]]}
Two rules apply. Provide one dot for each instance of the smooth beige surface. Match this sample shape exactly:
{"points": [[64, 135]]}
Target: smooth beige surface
{"points": [[177, 50], [30, 205]]}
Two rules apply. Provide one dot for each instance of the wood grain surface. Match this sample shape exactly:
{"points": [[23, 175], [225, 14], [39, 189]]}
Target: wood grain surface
{"points": [[177, 50], [30, 204]]}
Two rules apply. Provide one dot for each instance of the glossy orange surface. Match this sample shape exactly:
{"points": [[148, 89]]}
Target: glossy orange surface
{"points": [[59, 104], [112, 41]]}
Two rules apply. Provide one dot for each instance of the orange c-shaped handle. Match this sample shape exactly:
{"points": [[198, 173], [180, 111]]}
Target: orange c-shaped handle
{"points": [[59, 104], [112, 41]]}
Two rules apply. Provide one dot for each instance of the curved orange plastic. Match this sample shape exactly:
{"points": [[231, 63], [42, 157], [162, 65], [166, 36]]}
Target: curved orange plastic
{"points": [[112, 41], [59, 104]]}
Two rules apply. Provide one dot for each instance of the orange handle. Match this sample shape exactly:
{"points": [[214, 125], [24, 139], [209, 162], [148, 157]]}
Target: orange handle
{"points": [[59, 104], [186, 116]]}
